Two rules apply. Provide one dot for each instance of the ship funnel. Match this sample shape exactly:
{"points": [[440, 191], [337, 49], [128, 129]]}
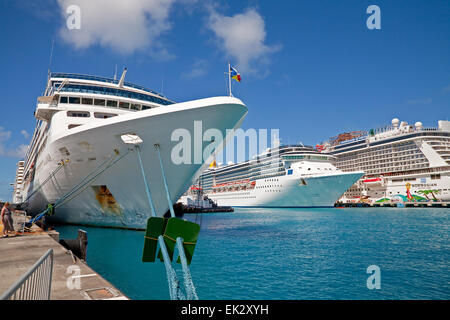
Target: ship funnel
{"points": [[122, 78]]}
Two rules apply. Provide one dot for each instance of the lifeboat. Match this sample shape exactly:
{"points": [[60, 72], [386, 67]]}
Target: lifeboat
{"points": [[373, 181]]}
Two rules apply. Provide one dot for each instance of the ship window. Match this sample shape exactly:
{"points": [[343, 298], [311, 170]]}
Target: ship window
{"points": [[112, 103], [102, 115], [73, 125], [124, 105], [86, 101], [435, 176], [135, 106], [146, 107], [74, 100], [99, 102], [78, 114], [63, 100]]}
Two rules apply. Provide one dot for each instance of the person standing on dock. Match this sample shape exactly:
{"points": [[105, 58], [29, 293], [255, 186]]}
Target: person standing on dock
{"points": [[7, 220]]}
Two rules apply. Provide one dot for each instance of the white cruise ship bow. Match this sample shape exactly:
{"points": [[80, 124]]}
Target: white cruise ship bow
{"points": [[81, 120]]}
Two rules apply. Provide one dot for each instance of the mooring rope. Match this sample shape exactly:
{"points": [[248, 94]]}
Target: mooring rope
{"points": [[188, 283], [172, 279], [52, 174], [82, 185]]}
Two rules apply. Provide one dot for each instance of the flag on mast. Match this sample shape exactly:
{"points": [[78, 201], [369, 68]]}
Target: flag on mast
{"points": [[234, 74]]}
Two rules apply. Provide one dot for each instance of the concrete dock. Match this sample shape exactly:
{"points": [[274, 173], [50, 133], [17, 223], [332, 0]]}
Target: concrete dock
{"points": [[409, 204], [72, 278]]}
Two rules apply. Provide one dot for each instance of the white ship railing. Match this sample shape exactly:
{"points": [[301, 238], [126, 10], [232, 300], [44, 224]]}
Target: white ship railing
{"points": [[35, 284]]}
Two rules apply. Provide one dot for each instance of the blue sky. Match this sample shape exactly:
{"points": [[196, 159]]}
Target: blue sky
{"points": [[311, 69]]}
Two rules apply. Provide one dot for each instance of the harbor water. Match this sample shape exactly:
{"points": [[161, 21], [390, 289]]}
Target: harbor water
{"points": [[291, 254]]}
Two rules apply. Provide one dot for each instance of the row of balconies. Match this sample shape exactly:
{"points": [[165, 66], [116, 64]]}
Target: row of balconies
{"points": [[375, 154]]}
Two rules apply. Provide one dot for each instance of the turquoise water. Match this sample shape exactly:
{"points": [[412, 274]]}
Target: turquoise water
{"points": [[292, 254]]}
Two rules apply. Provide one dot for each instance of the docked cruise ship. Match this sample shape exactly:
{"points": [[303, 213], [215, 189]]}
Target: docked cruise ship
{"points": [[285, 176], [84, 133], [402, 162]]}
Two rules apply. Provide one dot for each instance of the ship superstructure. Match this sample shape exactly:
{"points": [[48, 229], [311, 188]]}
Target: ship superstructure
{"points": [[18, 183], [81, 124], [402, 162], [285, 176]]}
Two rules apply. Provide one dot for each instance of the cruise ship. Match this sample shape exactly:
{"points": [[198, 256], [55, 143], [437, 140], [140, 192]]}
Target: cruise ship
{"points": [[85, 128], [285, 176], [402, 162]]}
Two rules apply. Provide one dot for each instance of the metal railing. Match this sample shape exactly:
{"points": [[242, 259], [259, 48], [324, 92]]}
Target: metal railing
{"points": [[35, 284]]}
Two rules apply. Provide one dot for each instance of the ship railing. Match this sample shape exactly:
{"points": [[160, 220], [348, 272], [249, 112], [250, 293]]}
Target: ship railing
{"points": [[35, 284]]}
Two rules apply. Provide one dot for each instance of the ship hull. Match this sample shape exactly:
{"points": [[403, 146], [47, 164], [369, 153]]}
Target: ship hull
{"points": [[117, 197], [290, 191]]}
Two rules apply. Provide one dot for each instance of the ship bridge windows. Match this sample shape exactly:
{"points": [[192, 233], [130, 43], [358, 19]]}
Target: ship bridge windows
{"points": [[78, 114], [124, 105], [100, 102], [135, 106], [111, 103], [74, 100], [87, 101], [104, 103]]}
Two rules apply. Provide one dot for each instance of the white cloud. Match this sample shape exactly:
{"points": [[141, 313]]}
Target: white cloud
{"points": [[5, 151], [242, 37], [25, 134], [199, 69], [123, 25]]}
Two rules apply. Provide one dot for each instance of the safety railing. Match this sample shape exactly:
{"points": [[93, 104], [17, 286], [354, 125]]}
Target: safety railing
{"points": [[35, 284]]}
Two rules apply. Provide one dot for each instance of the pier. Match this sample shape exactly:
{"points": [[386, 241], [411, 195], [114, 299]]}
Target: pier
{"points": [[71, 277], [409, 204]]}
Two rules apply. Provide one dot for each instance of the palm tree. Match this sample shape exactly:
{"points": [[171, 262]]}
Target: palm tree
{"points": [[433, 192], [425, 193]]}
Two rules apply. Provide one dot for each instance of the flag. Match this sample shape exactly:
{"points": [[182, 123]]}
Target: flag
{"points": [[234, 74]]}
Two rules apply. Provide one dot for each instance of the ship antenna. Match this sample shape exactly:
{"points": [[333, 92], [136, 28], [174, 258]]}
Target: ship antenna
{"points": [[51, 56], [49, 67], [115, 74]]}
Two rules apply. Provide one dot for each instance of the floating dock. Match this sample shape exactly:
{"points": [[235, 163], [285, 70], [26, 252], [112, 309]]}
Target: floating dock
{"points": [[72, 278]]}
